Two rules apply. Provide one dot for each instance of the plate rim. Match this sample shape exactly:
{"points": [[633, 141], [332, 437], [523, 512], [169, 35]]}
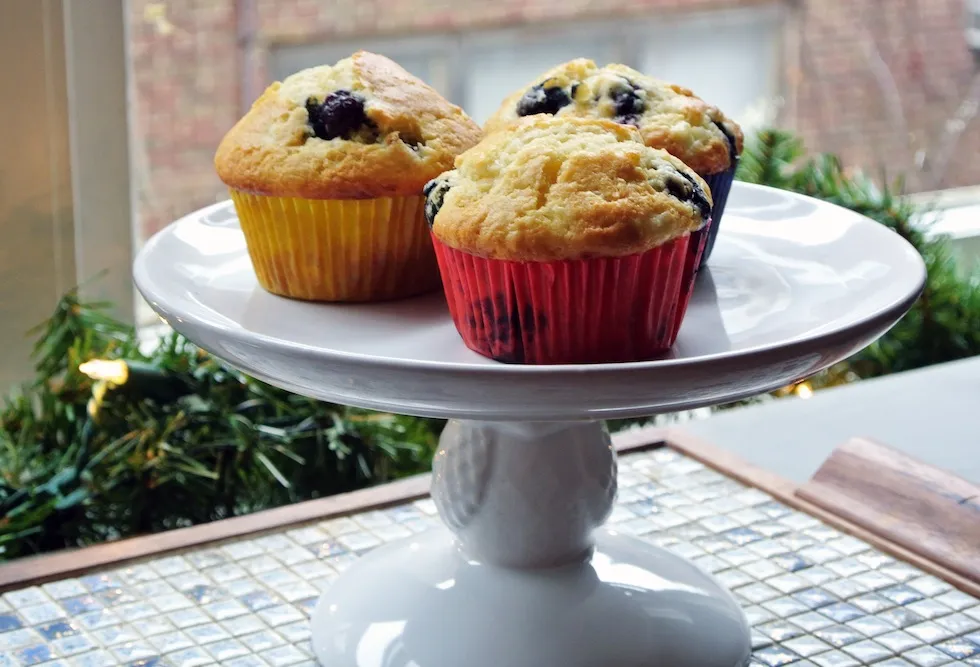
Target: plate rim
{"points": [[887, 311]]}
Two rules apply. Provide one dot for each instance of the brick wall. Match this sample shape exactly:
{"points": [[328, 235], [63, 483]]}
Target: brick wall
{"points": [[871, 80], [876, 83]]}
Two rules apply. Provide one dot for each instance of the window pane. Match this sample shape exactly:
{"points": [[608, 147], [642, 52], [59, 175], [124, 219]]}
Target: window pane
{"points": [[734, 70], [286, 60], [495, 70]]}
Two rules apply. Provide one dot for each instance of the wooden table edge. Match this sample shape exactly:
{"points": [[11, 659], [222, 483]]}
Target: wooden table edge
{"points": [[49, 567], [787, 492]]}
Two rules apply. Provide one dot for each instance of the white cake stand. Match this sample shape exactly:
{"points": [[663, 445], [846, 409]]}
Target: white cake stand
{"points": [[524, 576]]}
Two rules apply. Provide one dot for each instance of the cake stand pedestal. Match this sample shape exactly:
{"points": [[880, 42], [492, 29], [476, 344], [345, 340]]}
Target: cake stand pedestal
{"points": [[524, 575], [524, 578]]}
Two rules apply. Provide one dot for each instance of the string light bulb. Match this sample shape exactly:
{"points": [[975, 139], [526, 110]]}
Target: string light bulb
{"points": [[135, 379], [803, 390], [112, 371], [94, 405]]}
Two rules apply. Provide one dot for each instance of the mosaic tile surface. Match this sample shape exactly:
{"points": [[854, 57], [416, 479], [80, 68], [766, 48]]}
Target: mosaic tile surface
{"points": [[814, 596]]}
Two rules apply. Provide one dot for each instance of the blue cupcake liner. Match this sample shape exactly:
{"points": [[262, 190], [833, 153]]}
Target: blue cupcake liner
{"points": [[720, 185]]}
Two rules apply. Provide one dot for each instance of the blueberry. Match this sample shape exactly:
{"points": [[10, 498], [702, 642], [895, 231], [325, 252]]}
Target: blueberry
{"points": [[627, 103], [435, 193], [505, 326], [686, 189], [539, 99], [341, 114], [732, 144]]}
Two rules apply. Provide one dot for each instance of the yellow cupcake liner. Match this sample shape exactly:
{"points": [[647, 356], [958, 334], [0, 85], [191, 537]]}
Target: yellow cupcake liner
{"points": [[339, 250]]}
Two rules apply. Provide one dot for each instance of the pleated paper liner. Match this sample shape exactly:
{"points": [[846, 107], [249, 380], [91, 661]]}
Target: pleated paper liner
{"points": [[338, 250], [598, 310], [720, 185]]}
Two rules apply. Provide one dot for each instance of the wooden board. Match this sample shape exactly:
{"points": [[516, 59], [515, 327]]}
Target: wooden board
{"points": [[788, 493], [59, 565], [927, 510]]}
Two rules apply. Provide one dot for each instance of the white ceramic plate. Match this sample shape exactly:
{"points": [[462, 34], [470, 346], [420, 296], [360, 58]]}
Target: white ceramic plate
{"points": [[794, 285]]}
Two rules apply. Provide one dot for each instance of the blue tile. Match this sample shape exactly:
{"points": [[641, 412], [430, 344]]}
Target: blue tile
{"points": [[814, 598], [81, 604], [780, 630], [775, 656], [308, 604], [34, 655], [743, 536], [841, 612], [791, 562], [839, 635], [99, 582], [774, 509], [961, 649], [644, 507], [205, 594], [259, 600], [327, 548], [56, 630], [900, 617], [758, 640], [115, 596], [145, 662], [770, 529], [901, 594], [10, 622], [650, 490]]}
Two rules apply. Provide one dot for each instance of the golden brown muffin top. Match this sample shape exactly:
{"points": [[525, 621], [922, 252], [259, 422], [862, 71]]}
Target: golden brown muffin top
{"points": [[562, 187], [359, 129], [667, 115]]}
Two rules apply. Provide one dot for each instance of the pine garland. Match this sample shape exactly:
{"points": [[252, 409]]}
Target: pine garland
{"points": [[182, 439]]}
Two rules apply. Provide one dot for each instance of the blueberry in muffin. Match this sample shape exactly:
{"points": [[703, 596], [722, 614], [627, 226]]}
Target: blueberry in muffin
{"points": [[668, 116], [563, 239], [327, 171]]}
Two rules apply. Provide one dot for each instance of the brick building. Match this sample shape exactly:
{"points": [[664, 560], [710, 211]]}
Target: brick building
{"points": [[885, 84]]}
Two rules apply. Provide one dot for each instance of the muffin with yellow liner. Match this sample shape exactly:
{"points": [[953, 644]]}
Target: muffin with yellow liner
{"points": [[667, 115], [326, 171], [567, 240]]}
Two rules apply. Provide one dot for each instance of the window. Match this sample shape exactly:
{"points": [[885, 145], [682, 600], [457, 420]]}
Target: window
{"points": [[478, 68], [121, 106], [65, 211]]}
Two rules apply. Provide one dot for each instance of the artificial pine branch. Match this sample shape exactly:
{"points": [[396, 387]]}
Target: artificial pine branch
{"points": [[184, 441]]}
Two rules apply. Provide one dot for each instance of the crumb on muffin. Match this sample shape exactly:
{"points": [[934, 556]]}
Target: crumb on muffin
{"points": [[667, 115], [361, 128], [562, 187]]}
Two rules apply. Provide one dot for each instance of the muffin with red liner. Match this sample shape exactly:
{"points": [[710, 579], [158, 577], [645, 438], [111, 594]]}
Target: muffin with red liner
{"points": [[567, 240], [667, 115]]}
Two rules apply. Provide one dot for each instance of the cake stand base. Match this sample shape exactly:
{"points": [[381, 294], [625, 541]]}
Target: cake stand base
{"points": [[421, 603]]}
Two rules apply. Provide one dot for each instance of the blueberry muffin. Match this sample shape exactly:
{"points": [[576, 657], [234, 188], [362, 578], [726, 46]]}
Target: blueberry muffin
{"points": [[567, 240], [668, 116], [326, 171]]}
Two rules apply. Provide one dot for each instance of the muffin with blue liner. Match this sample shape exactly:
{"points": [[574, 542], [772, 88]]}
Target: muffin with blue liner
{"points": [[668, 116], [567, 240]]}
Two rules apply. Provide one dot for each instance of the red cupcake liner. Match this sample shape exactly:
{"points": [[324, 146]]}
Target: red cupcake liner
{"points": [[599, 310]]}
